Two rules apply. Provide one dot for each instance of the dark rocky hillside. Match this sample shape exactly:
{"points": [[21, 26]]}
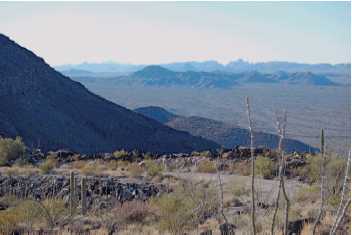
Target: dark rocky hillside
{"points": [[224, 134], [52, 111]]}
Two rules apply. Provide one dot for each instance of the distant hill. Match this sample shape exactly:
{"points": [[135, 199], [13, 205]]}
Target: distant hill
{"points": [[155, 75], [237, 66], [52, 111], [220, 132], [157, 113], [289, 67]]}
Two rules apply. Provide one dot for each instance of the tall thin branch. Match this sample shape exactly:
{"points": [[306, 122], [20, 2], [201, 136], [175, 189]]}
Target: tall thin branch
{"points": [[322, 181], [281, 129], [250, 128], [343, 212], [343, 194], [221, 189]]}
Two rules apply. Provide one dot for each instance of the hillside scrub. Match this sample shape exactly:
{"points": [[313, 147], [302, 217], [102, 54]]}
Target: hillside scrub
{"points": [[120, 154], [153, 168], [11, 150], [265, 167], [48, 165], [184, 209], [206, 166]]}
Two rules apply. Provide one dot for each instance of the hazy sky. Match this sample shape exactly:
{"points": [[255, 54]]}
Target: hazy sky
{"points": [[149, 33]]}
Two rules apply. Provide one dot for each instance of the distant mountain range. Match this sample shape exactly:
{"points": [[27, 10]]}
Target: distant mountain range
{"points": [[155, 75], [50, 111], [238, 66], [222, 133]]}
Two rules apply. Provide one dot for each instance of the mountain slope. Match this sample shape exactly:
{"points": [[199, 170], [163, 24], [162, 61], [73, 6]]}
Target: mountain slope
{"points": [[222, 133], [237, 66], [50, 110], [157, 113], [155, 75]]}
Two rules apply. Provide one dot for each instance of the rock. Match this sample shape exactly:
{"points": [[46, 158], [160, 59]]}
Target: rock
{"points": [[102, 191]]}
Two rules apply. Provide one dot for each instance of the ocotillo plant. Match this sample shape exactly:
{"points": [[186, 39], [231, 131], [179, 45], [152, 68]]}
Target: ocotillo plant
{"points": [[83, 195], [322, 181], [72, 193]]}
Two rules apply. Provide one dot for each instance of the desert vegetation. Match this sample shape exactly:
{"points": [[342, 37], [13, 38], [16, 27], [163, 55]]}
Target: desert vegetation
{"points": [[191, 203]]}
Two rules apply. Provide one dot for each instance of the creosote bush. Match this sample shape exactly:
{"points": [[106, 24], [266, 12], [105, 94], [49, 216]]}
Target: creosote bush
{"points": [[153, 168], [135, 170], [48, 165], [241, 168], [120, 154], [11, 149], [206, 166], [265, 167], [185, 208]]}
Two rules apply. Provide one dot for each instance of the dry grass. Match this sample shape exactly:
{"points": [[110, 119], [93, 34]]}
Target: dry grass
{"points": [[20, 170], [206, 166]]}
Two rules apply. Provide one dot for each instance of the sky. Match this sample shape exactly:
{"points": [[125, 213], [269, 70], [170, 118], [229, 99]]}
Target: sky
{"points": [[151, 33]]}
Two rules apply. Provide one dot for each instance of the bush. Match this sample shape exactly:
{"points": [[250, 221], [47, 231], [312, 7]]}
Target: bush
{"points": [[91, 168], [53, 211], [240, 191], [29, 213], [9, 219], [206, 154], [11, 149], [242, 168], [180, 211], [206, 166], [120, 154], [308, 194], [264, 167], [48, 165], [135, 170], [132, 212], [334, 200], [153, 168]]}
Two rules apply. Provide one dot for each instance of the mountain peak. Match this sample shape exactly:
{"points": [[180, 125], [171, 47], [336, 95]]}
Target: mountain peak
{"points": [[153, 70], [43, 106]]}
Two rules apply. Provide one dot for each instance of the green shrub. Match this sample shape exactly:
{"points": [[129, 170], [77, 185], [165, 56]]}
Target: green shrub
{"points": [[206, 166], [240, 191], [206, 154], [179, 211], [11, 149], [264, 167], [153, 168], [48, 165], [120, 154], [334, 200]]}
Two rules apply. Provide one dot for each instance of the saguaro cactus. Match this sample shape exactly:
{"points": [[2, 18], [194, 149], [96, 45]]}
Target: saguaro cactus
{"points": [[72, 193], [83, 195]]}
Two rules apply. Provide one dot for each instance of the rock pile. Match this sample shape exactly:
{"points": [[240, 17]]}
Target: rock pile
{"points": [[101, 191]]}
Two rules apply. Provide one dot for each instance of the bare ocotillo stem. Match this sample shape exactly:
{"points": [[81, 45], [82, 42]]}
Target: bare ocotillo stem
{"points": [[83, 195], [339, 218], [72, 193], [322, 181], [341, 209], [221, 190], [281, 128], [250, 128]]}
